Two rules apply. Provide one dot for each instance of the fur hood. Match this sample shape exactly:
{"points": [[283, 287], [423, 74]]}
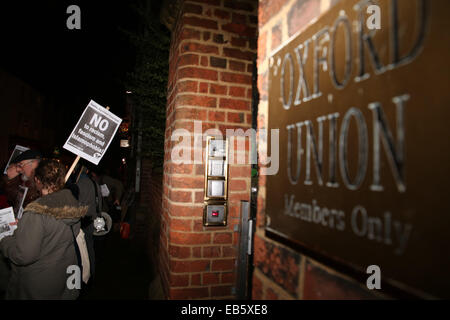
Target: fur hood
{"points": [[42, 247], [59, 205]]}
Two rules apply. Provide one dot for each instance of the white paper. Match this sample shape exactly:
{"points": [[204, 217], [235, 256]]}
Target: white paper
{"points": [[20, 214], [7, 217], [104, 189], [18, 206], [17, 150]]}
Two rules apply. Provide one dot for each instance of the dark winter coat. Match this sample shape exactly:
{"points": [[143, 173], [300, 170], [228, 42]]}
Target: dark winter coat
{"points": [[42, 248], [86, 197], [12, 188]]}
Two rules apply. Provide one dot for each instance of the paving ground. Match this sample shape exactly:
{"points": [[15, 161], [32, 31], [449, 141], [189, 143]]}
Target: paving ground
{"points": [[122, 272]]}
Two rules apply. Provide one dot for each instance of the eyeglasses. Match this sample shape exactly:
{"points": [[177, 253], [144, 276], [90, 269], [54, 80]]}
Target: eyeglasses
{"points": [[22, 165]]}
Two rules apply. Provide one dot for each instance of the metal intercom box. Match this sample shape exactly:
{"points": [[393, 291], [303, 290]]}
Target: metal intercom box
{"points": [[216, 182]]}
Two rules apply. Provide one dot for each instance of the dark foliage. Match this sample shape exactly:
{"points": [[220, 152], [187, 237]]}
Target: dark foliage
{"points": [[148, 81]]}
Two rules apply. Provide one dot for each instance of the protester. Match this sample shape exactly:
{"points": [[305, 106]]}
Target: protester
{"points": [[89, 195], [113, 200], [21, 172], [42, 247]]}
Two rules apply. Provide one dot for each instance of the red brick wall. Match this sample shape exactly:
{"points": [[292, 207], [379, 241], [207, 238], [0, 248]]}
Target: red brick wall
{"points": [[212, 50], [147, 216], [280, 272]]}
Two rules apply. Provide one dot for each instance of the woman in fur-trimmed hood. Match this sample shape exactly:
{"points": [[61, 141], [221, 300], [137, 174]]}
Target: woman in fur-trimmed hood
{"points": [[42, 247]]}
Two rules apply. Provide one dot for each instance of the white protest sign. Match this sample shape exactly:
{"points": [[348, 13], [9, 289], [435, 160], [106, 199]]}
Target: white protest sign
{"points": [[7, 217], [93, 133], [17, 150]]}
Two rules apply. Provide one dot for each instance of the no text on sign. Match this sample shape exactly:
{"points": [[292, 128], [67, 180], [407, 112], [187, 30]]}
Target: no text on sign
{"points": [[93, 133]]}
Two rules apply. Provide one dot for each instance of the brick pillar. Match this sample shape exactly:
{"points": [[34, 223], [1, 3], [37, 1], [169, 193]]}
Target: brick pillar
{"points": [[210, 80]]}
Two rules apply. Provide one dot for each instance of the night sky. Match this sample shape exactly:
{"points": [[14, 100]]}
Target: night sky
{"points": [[74, 65], [69, 66]]}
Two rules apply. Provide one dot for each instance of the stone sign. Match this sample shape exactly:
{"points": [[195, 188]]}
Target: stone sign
{"points": [[365, 141]]}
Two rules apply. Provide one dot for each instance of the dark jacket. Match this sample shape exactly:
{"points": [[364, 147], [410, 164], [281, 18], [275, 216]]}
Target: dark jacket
{"points": [[42, 248], [86, 197], [115, 188], [12, 190]]}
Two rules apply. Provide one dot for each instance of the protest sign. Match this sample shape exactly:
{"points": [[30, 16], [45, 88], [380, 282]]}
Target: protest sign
{"points": [[93, 133], [17, 150]]}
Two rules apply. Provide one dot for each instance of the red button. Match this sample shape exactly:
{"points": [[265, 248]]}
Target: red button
{"points": [[215, 213]]}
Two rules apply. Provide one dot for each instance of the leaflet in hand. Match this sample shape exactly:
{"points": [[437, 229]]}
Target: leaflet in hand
{"points": [[7, 217], [104, 189]]}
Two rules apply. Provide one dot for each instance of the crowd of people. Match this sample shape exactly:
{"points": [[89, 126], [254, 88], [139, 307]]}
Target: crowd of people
{"points": [[56, 221]]}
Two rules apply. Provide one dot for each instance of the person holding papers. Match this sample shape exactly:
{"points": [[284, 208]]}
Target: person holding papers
{"points": [[20, 172], [42, 247]]}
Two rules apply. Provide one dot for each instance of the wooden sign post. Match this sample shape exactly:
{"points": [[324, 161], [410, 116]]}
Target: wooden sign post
{"points": [[74, 164]]}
